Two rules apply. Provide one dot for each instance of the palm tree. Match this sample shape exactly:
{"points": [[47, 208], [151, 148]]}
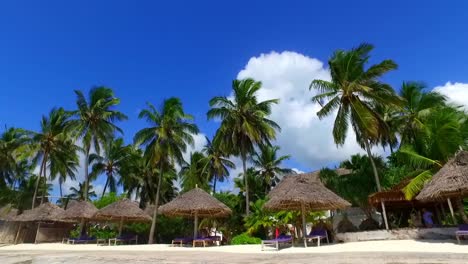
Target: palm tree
{"points": [[64, 164], [170, 131], [418, 104], [268, 165], [256, 187], [94, 121], [354, 92], [115, 155], [53, 145], [216, 163], [244, 122], [79, 194], [193, 174], [14, 147]]}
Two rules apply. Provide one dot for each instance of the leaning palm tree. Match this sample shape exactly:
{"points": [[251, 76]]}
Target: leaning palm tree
{"points": [[171, 131], [268, 165], [115, 155], [353, 94], [94, 121], [244, 122], [217, 164], [53, 145]]}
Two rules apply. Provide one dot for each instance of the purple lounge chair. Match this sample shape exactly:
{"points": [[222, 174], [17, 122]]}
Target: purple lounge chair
{"points": [[317, 234], [462, 232], [181, 241], [277, 242], [82, 239], [124, 239], [204, 241]]}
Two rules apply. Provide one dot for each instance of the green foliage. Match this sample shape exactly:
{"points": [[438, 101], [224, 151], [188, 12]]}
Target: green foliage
{"points": [[193, 174], [245, 239], [169, 228], [107, 199], [233, 225]]}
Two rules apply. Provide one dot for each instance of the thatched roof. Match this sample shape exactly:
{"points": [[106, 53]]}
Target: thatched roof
{"points": [[8, 213], [450, 181], [195, 201], [122, 209], [315, 175], [295, 190], [46, 212], [80, 210]]}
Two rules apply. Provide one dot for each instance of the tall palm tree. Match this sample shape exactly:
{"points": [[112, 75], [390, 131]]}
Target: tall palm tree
{"points": [[64, 165], [53, 145], [244, 122], [114, 157], [417, 104], [353, 93], [171, 131], [79, 194], [94, 121], [268, 165], [217, 165], [14, 146], [192, 173]]}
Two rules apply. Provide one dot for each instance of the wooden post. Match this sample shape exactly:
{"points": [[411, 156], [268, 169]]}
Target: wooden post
{"points": [[37, 232], [121, 226], [18, 232], [195, 226], [451, 211], [384, 214], [304, 227]]}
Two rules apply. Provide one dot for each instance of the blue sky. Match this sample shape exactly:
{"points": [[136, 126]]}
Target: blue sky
{"points": [[152, 50]]}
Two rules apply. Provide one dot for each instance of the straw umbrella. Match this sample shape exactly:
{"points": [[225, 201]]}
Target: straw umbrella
{"points": [[303, 193], [8, 213], [195, 203], [80, 211], [451, 181], [122, 210], [46, 212]]}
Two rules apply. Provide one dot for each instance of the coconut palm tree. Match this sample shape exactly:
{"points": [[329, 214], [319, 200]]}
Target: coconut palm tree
{"points": [[268, 165], [167, 138], [193, 174], [53, 145], [217, 165], [94, 120], [115, 155], [418, 104], [14, 147], [79, 194], [353, 94], [244, 122], [64, 165]]}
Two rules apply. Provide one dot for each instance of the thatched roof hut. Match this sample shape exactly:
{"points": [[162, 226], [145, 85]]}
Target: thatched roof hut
{"points": [[195, 203], [450, 181], [8, 213], [297, 191], [80, 210], [46, 212]]}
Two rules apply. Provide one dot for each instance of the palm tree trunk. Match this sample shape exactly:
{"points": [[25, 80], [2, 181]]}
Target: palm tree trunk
{"points": [[377, 181], [214, 184], [60, 188], [156, 205], [44, 161], [86, 165], [105, 186], [246, 186]]}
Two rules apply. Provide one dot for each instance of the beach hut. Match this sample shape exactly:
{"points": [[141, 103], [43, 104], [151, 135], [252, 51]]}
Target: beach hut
{"points": [[122, 211], [450, 183], [302, 193], [45, 213], [194, 204]]}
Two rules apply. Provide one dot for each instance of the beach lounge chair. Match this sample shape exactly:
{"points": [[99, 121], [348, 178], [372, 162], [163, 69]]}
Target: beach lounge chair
{"points": [[202, 241], [461, 232], [277, 242], [81, 240], [317, 234], [124, 239], [181, 241]]}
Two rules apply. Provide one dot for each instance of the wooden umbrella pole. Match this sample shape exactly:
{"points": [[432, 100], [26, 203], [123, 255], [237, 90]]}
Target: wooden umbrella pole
{"points": [[37, 232], [18, 232], [451, 210], [304, 227], [384, 214], [195, 226], [121, 226]]}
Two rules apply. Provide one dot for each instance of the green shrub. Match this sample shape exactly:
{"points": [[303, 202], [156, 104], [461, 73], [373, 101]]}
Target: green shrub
{"points": [[245, 239]]}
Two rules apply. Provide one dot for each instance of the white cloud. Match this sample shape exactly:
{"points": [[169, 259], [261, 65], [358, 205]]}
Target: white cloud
{"points": [[287, 76], [457, 93]]}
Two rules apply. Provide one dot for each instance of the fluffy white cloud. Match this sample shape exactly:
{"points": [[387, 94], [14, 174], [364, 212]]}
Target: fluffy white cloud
{"points": [[287, 76], [457, 93]]}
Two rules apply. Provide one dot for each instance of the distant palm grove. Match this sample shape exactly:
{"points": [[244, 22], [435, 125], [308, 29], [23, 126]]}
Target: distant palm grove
{"points": [[419, 128]]}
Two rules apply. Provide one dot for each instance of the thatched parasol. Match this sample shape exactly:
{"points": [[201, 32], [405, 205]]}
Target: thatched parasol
{"points": [[195, 203], [451, 181], [303, 193], [122, 210], [80, 210], [46, 212]]}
